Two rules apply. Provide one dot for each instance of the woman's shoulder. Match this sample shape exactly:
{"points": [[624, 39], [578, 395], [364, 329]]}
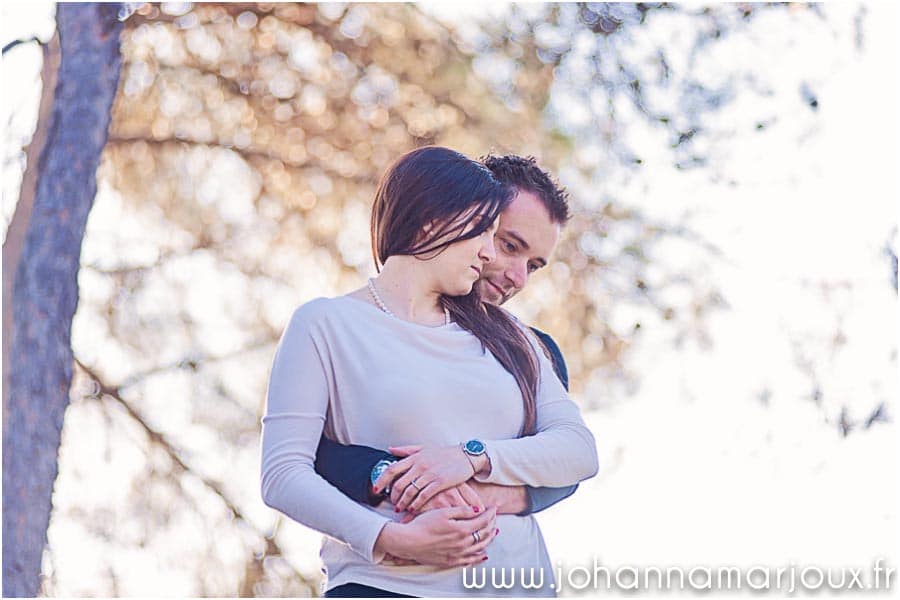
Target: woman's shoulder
{"points": [[319, 310]]}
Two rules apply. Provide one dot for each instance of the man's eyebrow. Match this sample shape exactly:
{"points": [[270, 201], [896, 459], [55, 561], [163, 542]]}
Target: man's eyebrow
{"points": [[542, 261], [518, 238]]}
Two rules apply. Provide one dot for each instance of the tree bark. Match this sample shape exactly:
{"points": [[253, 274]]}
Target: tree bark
{"points": [[18, 226], [45, 293]]}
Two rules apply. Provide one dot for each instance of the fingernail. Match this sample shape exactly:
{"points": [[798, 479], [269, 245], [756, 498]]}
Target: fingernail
{"points": [[475, 508], [496, 531], [484, 559], [396, 509], [376, 490]]}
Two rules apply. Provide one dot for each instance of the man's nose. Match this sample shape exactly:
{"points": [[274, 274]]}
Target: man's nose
{"points": [[517, 275]]}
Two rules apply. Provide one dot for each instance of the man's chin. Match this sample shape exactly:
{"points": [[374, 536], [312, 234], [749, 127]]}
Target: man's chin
{"points": [[488, 294]]}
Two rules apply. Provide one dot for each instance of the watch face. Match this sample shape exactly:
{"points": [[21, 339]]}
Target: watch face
{"points": [[474, 447], [378, 469]]}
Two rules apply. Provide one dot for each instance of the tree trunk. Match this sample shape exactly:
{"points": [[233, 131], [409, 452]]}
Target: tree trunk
{"points": [[18, 226], [45, 292]]}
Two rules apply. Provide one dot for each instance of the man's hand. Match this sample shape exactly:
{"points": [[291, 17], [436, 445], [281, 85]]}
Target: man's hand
{"points": [[461, 495], [509, 499]]}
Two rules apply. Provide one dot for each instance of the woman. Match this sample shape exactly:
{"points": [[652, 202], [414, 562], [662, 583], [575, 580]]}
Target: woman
{"points": [[415, 355]]}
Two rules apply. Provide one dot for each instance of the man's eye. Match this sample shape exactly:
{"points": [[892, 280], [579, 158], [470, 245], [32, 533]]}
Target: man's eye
{"points": [[509, 247], [532, 268]]}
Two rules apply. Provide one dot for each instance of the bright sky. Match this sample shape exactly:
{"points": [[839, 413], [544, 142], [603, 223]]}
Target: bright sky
{"points": [[695, 470]]}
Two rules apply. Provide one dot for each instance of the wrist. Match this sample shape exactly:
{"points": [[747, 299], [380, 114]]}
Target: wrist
{"points": [[481, 464], [517, 500], [376, 472], [389, 539], [476, 453], [509, 499]]}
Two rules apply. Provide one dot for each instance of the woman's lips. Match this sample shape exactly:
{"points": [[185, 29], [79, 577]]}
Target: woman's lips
{"points": [[476, 271], [499, 291]]}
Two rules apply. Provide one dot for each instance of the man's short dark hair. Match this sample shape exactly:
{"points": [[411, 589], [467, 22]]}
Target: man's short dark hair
{"points": [[523, 173]]}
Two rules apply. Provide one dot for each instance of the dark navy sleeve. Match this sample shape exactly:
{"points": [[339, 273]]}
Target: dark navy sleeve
{"points": [[556, 357], [542, 498], [347, 467]]}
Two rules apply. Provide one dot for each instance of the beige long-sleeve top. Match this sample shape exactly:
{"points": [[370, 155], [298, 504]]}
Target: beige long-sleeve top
{"points": [[366, 377]]}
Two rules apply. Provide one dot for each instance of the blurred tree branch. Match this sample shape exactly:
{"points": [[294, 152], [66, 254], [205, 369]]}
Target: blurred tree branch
{"points": [[14, 43], [159, 439]]}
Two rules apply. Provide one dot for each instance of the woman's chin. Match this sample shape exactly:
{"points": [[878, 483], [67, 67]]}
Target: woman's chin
{"points": [[461, 289]]}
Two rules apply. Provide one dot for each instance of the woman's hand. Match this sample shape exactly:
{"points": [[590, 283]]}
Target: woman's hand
{"points": [[424, 472], [461, 495], [390, 559], [442, 537]]}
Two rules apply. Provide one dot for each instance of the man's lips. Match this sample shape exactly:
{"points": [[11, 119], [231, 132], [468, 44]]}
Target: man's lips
{"points": [[499, 291]]}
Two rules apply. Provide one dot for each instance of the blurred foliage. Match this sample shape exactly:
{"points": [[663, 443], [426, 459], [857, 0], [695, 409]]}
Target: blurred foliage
{"points": [[261, 130], [246, 143]]}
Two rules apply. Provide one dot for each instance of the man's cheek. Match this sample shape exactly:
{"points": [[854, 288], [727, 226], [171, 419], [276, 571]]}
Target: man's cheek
{"points": [[485, 291]]}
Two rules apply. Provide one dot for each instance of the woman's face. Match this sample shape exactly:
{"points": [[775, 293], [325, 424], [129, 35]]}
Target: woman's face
{"points": [[459, 266]]}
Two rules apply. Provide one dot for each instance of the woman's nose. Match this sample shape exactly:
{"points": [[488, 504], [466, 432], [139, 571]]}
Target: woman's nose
{"points": [[487, 252]]}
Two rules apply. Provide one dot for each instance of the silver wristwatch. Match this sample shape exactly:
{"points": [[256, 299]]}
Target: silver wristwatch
{"points": [[379, 468]]}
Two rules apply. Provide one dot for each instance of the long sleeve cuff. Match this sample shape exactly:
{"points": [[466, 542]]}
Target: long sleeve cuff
{"points": [[368, 543], [549, 459], [541, 498]]}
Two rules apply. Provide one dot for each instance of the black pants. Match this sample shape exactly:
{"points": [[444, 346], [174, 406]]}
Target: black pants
{"points": [[358, 590]]}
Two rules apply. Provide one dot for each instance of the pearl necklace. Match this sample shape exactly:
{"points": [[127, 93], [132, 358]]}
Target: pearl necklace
{"points": [[384, 307]]}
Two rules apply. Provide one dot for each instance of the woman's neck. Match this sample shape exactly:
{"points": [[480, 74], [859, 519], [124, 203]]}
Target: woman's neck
{"points": [[407, 293]]}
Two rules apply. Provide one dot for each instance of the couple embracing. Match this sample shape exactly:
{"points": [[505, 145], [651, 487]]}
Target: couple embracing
{"points": [[415, 422]]}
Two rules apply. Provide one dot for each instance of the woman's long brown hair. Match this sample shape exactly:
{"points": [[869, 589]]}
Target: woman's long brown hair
{"points": [[507, 342], [437, 186]]}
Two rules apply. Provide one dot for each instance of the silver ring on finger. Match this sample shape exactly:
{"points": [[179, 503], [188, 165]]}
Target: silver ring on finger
{"points": [[413, 483], [476, 536]]}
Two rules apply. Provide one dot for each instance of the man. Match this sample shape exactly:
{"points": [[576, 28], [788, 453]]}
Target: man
{"points": [[527, 234]]}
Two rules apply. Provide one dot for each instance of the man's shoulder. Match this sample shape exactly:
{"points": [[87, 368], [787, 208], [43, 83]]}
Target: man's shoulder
{"points": [[548, 341], [555, 355]]}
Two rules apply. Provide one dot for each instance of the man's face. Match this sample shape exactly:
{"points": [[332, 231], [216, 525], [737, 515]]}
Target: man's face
{"points": [[524, 241]]}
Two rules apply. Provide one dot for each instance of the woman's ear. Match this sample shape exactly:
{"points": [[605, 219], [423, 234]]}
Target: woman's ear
{"points": [[425, 231]]}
